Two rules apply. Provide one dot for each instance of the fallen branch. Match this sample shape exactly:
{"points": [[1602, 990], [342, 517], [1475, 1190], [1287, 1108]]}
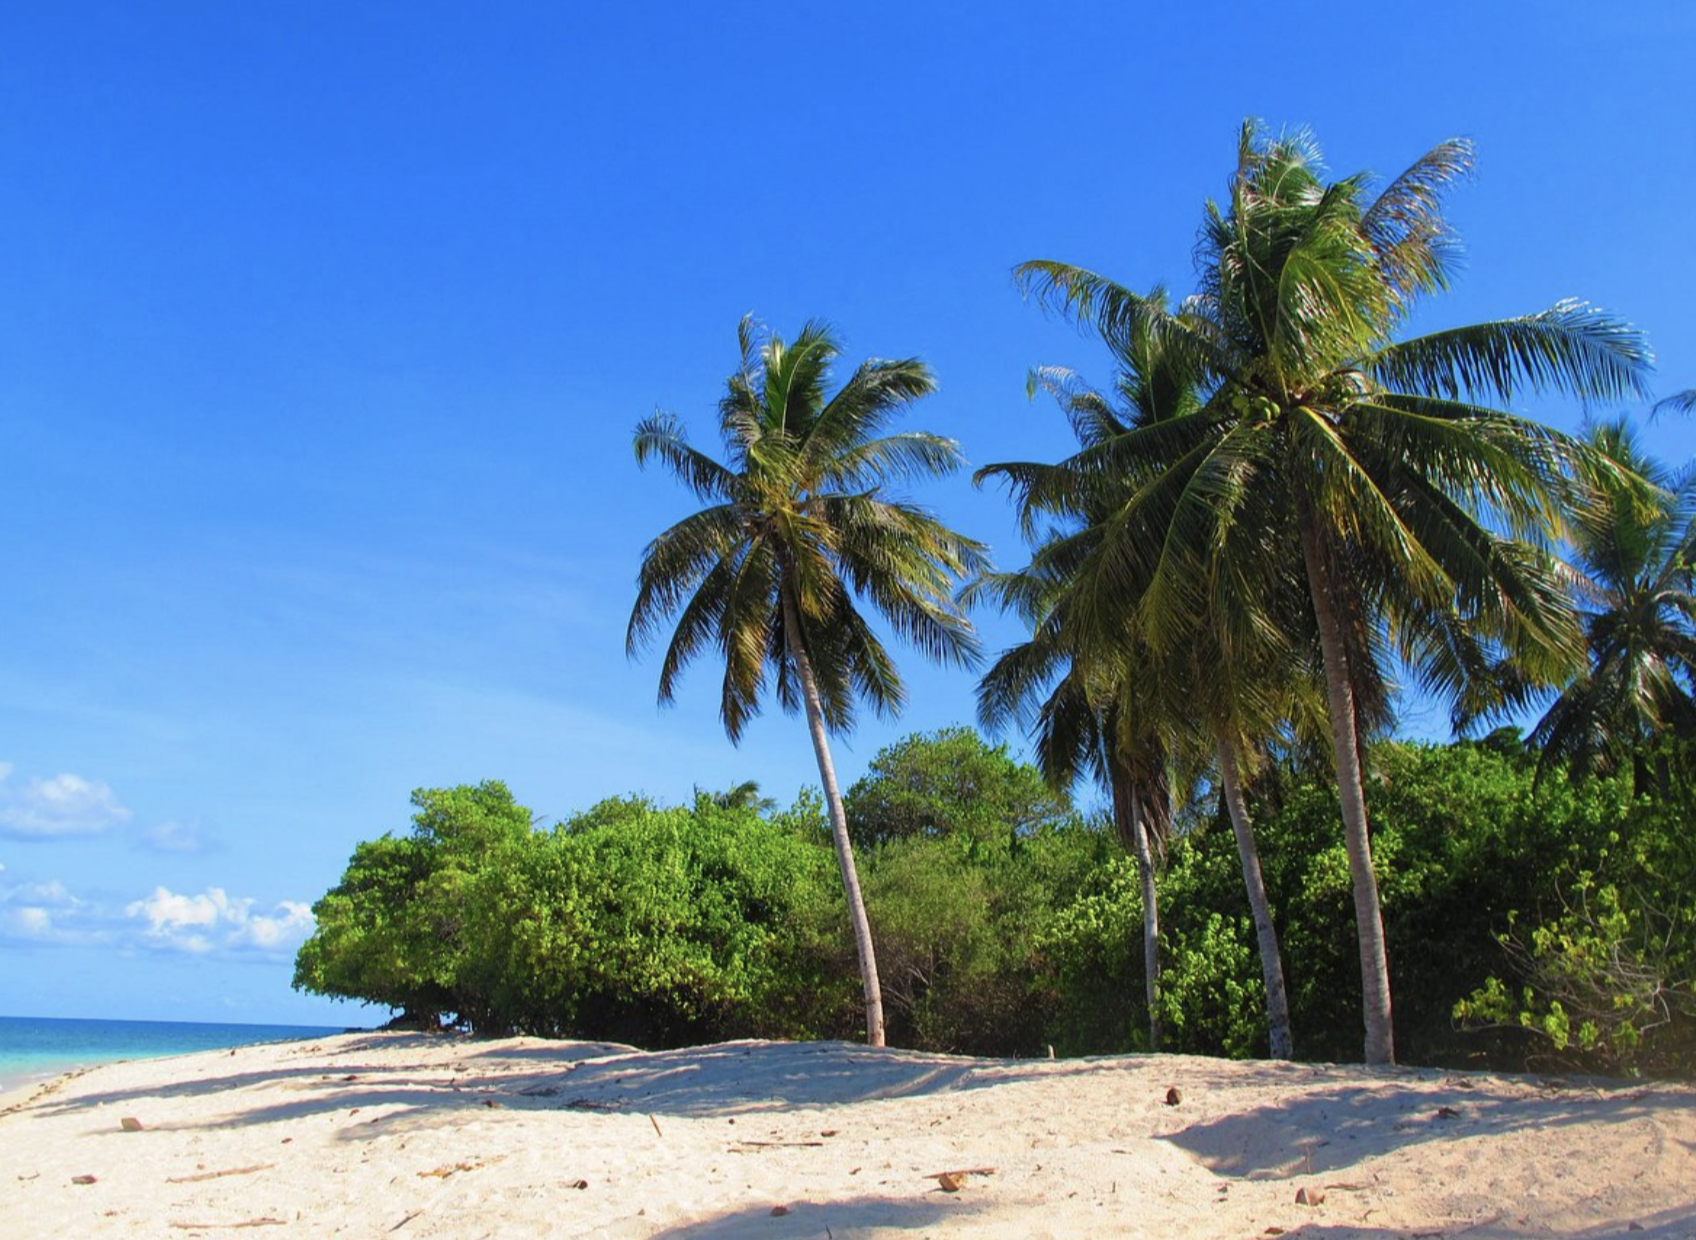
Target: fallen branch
{"points": [[446, 1169], [252, 1222], [218, 1175]]}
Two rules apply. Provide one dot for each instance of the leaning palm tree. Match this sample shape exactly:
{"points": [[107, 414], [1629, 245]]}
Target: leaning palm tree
{"points": [[1637, 590], [1420, 518], [1094, 720], [1118, 709], [1104, 714], [797, 529]]}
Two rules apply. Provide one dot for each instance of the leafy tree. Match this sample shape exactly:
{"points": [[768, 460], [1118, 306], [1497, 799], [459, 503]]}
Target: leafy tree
{"points": [[960, 933], [797, 527], [1419, 518], [630, 921], [950, 783], [393, 931]]}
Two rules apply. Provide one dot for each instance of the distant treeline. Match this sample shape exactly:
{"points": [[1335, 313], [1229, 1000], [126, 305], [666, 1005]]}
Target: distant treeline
{"points": [[1532, 922]]}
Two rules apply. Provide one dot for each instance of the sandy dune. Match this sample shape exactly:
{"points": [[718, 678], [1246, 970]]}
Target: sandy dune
{"points": [[374, 1135]]}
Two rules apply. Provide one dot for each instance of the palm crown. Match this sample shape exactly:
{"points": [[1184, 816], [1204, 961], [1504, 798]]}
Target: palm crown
{"points": [[1330, 459], [1638, 599], [797, 519]]}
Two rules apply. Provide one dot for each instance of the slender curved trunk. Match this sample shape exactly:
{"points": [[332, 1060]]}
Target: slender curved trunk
{"points": [[1351, 793], [1127, 807], [838, 824], [1281, 1041]]}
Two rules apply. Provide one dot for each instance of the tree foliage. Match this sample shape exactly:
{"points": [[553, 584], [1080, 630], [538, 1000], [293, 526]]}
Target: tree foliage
{"points": [[950, 783], [1534, 922]]}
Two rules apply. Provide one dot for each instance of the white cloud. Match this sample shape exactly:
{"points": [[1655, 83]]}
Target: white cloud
{"points": [[213, 921], [66, 804], [49, 913], [287, 926], [52, 893]]}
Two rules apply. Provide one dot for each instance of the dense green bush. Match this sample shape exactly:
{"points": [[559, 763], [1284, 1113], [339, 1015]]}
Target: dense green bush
{"points": [[961, 927], [657, 926], [1530, 922], [949, 783]]}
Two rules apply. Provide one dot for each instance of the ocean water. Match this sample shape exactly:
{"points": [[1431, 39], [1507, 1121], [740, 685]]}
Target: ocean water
{"points": [[34, 1048]]}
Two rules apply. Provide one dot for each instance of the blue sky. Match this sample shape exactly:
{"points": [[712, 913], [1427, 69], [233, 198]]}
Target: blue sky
{"points": [[324, 328]]}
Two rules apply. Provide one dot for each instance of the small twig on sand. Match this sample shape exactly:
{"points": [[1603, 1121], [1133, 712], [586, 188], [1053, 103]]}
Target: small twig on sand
{"points": [[656, 1125], [446, 1169], [406, 1220], [217, 1175], [252, 1222]]}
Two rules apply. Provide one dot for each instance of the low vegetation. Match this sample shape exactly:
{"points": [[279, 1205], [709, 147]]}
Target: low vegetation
{"points": [[1533, 922]]}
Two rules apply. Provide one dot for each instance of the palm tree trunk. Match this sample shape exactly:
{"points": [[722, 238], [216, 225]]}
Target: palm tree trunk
{"points": [[838, 824], [1351, 793], [1281, 1041], [1150, 924], [1127, 807]]}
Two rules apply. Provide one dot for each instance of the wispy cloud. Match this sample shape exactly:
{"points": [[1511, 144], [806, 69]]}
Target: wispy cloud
{"points": [[62, 805], [178, 837]]}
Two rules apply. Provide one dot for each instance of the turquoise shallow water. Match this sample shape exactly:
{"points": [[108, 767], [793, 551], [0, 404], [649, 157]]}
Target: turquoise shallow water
{"points": [[33, 1048]]}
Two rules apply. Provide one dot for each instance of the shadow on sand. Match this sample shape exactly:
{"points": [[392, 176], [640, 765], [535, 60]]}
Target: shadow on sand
{"points": [[1336, 1126], [727, 1079], [1675, 1223], [843, 1218], [1326, 1119]]}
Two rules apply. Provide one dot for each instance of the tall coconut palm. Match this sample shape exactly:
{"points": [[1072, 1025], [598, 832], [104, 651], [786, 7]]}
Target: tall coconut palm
{"points": [[1419, 517], [1092, 722], [1102, 715], [797, 529], [1638, 598], [1118, 708]]}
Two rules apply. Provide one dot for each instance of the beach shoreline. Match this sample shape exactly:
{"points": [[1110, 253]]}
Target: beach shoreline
{"points": [[451, 1136]]}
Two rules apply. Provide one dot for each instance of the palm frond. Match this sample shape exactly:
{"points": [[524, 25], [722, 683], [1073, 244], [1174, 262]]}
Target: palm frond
{"points": [[1572, 348], [674, 564], [1678, 402], [662, 436]]}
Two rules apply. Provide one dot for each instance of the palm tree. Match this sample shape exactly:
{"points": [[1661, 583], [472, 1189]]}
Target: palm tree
{"points": [[1099, 716], [1638, 598], [1092, 721], [744, 795], [797, 528], [1419, 518], [1117, 709]]}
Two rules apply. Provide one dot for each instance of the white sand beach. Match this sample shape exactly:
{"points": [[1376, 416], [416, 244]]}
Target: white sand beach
{"points": [[420, 1136]]}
